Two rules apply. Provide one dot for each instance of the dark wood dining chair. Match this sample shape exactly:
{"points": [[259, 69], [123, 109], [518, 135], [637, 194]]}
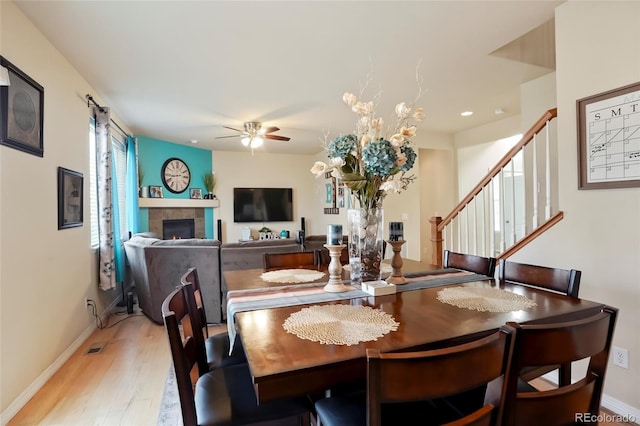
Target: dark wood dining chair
{"points": [[565, 281], [294, 260], [469, 262], [410, 387], [217, 345], [559, 343], [222, 396]]}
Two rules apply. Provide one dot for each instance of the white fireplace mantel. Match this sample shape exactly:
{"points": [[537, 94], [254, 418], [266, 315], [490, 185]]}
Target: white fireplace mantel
{"points": [[166, 203]]}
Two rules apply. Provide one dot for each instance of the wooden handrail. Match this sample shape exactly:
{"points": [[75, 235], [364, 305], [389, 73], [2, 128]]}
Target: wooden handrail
{"points": [[532, 235], [528, 137]]}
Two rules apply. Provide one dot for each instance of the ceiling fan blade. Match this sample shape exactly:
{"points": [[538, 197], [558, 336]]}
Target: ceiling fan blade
{"points": [[276, 137], [231, 128], [224, 137], [271, 129]]}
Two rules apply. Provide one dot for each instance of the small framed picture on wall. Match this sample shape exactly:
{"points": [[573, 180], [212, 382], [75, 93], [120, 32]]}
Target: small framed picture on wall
{"points": [[70, 198]]}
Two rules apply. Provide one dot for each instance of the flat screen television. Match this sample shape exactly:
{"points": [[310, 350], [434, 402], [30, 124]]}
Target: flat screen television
{"points": [[262, 204]]}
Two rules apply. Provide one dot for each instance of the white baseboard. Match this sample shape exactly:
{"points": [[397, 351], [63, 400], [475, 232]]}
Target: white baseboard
{"points": [[627, 412], [22, 399]]}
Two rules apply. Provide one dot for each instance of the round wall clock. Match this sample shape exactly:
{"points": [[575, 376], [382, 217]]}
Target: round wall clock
{"points": [[175, 175]]}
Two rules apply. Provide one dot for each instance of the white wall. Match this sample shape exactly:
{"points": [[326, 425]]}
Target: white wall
{"points": [[598, 49], [474, 162], [242, 169], [45, 273]]}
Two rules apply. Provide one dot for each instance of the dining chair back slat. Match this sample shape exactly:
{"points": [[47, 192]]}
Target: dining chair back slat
{"points": [[559, 343], [294, 260], [565, 281], [470, 262], [482, 417]]}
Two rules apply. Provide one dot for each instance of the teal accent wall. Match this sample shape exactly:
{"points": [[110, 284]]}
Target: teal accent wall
{"points": [[152, 153]]}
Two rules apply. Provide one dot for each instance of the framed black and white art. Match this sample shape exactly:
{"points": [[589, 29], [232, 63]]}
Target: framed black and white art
{"points": [[21, 112], [70, 198]]}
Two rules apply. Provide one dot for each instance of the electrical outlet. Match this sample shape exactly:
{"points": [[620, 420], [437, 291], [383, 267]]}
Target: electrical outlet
{"points": [[620, 357]]}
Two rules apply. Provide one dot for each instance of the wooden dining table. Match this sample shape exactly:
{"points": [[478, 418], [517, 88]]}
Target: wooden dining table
{"points": [[283, 365]]}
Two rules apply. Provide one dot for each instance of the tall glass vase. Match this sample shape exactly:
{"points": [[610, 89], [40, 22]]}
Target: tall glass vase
{"points": [[365, 243]]}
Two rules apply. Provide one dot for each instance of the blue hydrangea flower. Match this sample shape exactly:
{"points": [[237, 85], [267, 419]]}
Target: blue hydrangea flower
{"points": [[411, 157], [341, 146], [379, 158]]}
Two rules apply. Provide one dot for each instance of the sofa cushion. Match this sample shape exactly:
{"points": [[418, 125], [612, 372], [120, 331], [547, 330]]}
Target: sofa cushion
{"points": [[248, 254], [191, 242], [142, 240]]}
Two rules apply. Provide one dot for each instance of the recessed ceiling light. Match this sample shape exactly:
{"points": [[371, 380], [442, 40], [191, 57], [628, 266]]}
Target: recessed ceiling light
{"points": [[499, 111], [194, 141], [466, 113]]}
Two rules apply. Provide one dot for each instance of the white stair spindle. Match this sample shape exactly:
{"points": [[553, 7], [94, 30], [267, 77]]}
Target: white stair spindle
{"points": [[502, 218], [547, 207], [513, 202], [534, 178]]}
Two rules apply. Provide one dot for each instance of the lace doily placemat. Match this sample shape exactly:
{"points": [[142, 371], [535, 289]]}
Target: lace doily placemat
{"points": [[385, 268], [340, 324], [484, 299], [291, 276]]}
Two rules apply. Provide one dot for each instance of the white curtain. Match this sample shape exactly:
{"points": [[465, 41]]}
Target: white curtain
{"points": [[105, 199]]}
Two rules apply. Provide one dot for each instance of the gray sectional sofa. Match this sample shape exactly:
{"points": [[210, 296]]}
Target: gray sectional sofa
{"points": [[157, 265]]}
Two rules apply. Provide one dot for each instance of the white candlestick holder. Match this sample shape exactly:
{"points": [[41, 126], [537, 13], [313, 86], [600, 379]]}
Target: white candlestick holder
{"points": [[335, 284]]}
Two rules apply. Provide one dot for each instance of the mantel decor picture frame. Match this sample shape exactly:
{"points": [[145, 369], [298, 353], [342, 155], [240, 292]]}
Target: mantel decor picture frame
{"points": [[609, 139], [155, 191], [21, 112], [195, 193], [70, 198]]}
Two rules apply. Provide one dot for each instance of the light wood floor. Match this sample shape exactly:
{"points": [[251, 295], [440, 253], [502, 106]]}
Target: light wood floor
{"points": [[122, 385]]}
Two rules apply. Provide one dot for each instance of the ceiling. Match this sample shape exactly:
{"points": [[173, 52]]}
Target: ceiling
{"points": [[180, 70]]}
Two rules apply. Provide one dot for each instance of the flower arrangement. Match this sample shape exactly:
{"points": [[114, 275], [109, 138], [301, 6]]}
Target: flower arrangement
{"points": [[371, 162]]}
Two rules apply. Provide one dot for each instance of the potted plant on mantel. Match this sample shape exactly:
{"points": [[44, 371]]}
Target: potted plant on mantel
{"points": [[209, 184], [142, 191]]}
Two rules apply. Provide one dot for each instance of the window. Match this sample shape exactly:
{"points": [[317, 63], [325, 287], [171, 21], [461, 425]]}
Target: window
{"points": [[120, 156]]}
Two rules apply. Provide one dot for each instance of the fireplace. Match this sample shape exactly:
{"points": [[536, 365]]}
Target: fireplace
{"points": [[178, 228], [157, 216]]}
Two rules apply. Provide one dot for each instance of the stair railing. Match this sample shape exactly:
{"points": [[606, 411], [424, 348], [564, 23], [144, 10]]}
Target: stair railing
{"points": [[503, 212]]}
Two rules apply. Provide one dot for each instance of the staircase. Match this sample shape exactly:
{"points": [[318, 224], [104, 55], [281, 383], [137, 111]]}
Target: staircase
{"points": [[513, 204]]}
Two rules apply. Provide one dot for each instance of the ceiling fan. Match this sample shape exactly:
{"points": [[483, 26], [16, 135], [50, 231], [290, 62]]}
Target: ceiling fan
{"points": [[254, 134]]}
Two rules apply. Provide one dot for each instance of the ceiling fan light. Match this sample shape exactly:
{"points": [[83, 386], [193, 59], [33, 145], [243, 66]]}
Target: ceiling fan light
{"points": [[256, 142], [245, 141]]}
